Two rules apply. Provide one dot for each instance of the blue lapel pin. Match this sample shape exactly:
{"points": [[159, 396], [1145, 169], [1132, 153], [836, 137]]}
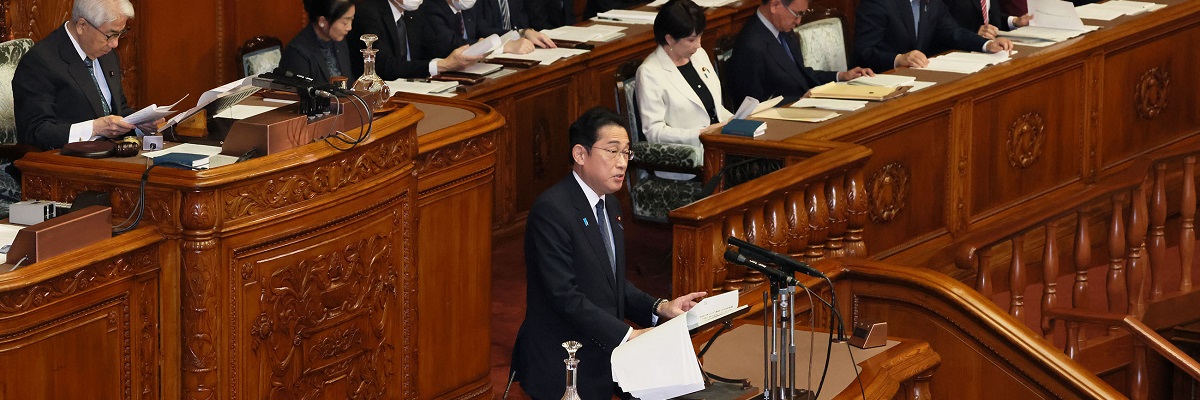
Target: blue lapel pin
{"points": [[585, 223]]}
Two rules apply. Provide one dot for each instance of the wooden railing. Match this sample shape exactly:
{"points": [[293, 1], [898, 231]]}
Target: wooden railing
{"points": [[812, 209]]}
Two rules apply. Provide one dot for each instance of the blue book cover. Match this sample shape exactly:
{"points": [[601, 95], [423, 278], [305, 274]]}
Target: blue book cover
{"points": [[744, 127], [182, 160]]}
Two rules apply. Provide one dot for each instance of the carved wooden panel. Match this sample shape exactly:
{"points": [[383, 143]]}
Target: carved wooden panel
{"points": [[909, 167], [90, 332], [542, 153], [1025, 140], [1149, 94]]}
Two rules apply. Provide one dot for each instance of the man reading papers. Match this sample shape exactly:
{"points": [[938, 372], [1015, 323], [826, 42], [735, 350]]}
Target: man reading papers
{"points": [[575, 267]]}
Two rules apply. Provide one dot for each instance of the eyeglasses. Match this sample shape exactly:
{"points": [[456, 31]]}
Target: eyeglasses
{"points": [[108, 37], [613, 153], [789, 9]]}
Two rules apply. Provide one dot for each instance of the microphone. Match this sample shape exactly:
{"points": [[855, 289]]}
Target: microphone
{"points": [[312, 90], [776, 258], [771, 273]]}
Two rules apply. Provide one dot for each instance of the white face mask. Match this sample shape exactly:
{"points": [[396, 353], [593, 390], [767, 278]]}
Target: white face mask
{"points": [[410, 5], [463, 5]]}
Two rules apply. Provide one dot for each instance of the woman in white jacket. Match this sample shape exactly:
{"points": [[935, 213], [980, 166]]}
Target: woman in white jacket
{"points": [[678, 92]]}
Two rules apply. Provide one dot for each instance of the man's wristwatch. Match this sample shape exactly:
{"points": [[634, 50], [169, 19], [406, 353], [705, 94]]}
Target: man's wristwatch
{"points": [[654, 309]]}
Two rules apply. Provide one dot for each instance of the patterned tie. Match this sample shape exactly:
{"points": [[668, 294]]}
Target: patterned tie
{"points": [[402, 37], [330, 59], [602, 219], [786, 49], [504, 15], [92, 73], [983, 5], [916, 9]]}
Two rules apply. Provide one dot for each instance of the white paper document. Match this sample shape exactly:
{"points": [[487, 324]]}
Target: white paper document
{"points": [[152, 113], [884, 80], [830, 104], [1054, 14], [594, 33], [751, 106], [1129, 7], [658, 364], [918, 85], [712, 308], [421, 86], [231, 90], [713, 3], [481, 68], [483, 46], [546, 56], [1044, 33], [1098, 12], [241, 111], [628, 16]]}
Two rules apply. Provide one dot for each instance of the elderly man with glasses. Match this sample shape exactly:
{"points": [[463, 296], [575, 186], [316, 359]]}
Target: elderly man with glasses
{"points": [[68, 87], [766, 59]]}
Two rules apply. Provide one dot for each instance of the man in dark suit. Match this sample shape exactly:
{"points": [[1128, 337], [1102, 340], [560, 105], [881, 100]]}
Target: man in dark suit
{"points": [[899, 33], [985, 17], [575, 269], [498, 16], [550, 14], [61, 94], [401, 30], [454, 23], [766, 59]]}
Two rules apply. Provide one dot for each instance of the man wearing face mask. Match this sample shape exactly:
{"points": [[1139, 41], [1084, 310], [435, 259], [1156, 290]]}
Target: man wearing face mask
{"points": [[401, 30], [454, 23]]}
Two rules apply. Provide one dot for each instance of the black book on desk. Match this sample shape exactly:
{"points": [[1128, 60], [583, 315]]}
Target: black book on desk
{"points": [[182, 160], [744, 127]]}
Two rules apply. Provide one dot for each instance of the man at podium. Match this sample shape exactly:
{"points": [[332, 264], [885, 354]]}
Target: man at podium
{"points": [[575, 269], [68, 87]]}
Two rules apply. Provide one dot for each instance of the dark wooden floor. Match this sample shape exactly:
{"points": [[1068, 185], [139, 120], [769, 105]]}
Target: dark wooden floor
{"points": [[647, 247]]}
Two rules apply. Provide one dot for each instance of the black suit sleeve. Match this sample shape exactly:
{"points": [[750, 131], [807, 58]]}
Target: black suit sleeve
{"points": [[388, 63], [549, 242], [959, 37], [998, 17], [745, 71], [35, 94], [870, 30], [539, 14], [441, 29]]}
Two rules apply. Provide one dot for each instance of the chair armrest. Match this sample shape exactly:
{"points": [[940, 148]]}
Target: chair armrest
{"points": [[15, 151], [667, 157]]}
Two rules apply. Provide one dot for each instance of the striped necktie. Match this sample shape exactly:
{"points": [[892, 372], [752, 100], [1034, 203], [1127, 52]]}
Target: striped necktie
{"points": [[505, 15], [92, 73], [602, 218]]}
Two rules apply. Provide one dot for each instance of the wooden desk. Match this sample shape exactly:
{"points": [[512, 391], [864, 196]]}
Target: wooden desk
{"points": [[974, 148], [298, 273], [84, 324], [902, 364]]}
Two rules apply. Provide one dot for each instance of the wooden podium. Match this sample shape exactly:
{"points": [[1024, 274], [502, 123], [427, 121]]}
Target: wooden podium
{"points": [[296, 275]]}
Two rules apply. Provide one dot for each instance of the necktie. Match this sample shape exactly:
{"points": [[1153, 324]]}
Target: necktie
{"points": [[602, 219], [786, 49], [983, 5], [402, 38], [92, 73], [462, 26], [505, 16], [916, 9]]}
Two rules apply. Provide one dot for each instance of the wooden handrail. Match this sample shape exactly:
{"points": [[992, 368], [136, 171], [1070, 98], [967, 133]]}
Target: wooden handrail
{"points": [[1135, 327], [967, 247]]}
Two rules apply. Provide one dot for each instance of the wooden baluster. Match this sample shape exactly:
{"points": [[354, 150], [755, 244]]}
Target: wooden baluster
{"points": [[1049, 277], [1139, 387], [775, 238], [1187, 231], [1016, 279], [856, 213], [1116, 254], [752, 223], [797, 222], [1157, 243], [1136, 239], [1073, 340], [1083, 261], [818, 222], [735, 274], [835, 196], [983, 278]]}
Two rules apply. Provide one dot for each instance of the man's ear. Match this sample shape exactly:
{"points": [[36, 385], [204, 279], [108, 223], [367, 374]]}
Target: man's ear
{"points": [[578, 153]]}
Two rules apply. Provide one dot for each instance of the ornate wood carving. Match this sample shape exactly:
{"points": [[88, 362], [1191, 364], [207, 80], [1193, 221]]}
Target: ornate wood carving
{"points": [[456, 154], [540, 150], [148, 351], [64, 286], [348, 290], [887, 192], [1025, 140], [1150, 94], [281, 191]]}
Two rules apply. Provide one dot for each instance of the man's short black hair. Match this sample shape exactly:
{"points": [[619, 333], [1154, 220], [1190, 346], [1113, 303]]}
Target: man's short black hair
{"points": [[680, 19], [585, 130]]}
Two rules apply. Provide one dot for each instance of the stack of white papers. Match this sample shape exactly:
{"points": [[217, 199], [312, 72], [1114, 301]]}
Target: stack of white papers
{"points": [[594, 33], [229, 91], [1046, 34], [751, 106], [830, 104], [658, 364], [884, 80], [1054, 14], [966, 63], [490, 44], [1098, 12], [1128, 7], [421, 86], [713, 3], [546, 56], [481, 68], [151, 113], [628, 16], [712, 308], [918, 85]]}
